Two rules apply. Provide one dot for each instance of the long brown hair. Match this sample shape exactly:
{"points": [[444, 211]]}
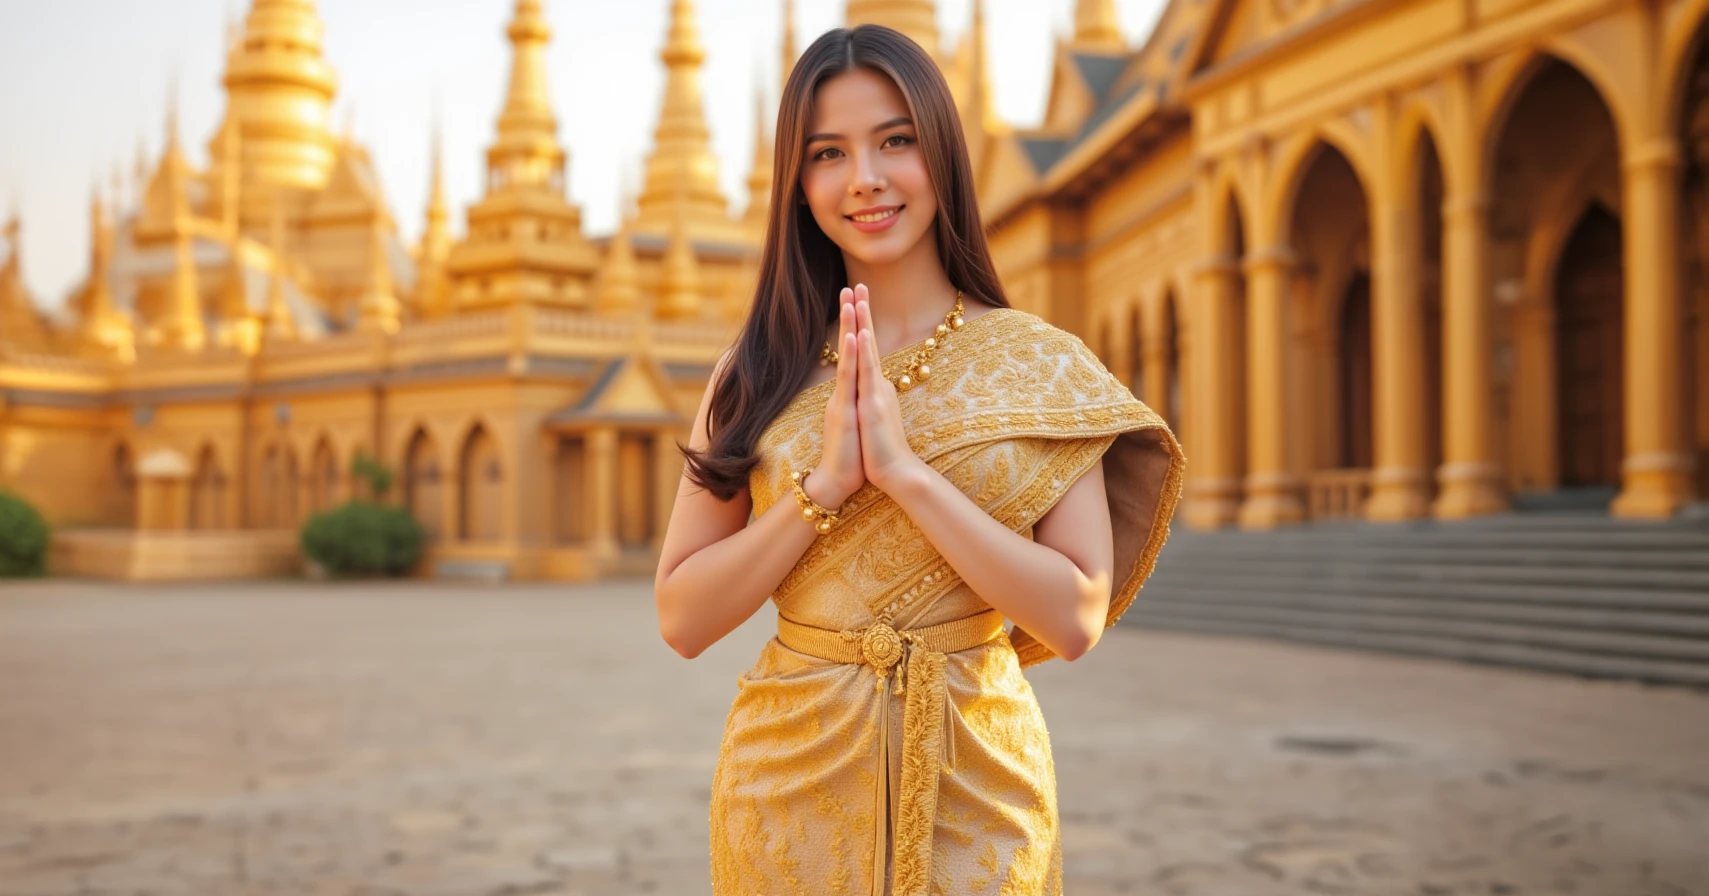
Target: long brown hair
{"points": [[801, 269]]}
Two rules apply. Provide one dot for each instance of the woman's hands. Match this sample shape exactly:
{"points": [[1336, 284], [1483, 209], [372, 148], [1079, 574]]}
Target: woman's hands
{"points": [[886, 456], [840, 471], [864, 440]]}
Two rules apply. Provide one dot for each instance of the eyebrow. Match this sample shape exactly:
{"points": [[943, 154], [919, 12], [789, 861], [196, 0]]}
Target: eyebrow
{"points": [[896, 122]]}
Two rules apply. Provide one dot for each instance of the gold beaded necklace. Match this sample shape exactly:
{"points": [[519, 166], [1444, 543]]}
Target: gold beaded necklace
{"points": [[917, 370]]}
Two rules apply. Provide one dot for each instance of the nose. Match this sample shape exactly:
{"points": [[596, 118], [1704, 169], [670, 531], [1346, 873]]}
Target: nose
{"points": [[867, 178]]}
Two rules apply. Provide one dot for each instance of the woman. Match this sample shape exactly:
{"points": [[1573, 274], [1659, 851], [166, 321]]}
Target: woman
{"points": [[920, 461]]}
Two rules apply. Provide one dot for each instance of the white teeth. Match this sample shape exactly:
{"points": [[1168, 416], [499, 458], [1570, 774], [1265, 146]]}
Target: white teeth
{"points": [[870, 219]]}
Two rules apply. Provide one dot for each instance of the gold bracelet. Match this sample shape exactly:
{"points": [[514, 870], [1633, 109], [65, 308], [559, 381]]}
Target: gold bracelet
{"points": [[821, 518]]}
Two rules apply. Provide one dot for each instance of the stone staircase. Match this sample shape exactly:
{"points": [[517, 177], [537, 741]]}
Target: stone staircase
{"points": [[1557, 590]]}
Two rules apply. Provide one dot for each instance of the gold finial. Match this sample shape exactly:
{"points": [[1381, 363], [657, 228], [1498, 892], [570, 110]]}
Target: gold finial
{"points": [[682, 167], [1096, 25], [275, 75], [527, 154], [378, 308], [619, 288], [679, 289], [183, 328]]}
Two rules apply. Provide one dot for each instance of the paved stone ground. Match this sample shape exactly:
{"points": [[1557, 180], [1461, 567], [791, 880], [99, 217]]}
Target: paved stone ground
{"points": [[455, 740]]}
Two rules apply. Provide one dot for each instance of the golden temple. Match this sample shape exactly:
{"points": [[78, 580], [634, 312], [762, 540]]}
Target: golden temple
{"points": [[1387, 259]]}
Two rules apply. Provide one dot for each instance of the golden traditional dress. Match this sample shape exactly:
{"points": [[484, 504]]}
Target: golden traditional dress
{"points": [[886, 741]]}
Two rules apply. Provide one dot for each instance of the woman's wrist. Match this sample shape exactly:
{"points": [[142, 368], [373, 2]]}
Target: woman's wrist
{"points": [[823, 491]]}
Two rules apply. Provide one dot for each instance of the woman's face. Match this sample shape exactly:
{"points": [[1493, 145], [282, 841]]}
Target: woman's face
{"points": [[864, 175]]}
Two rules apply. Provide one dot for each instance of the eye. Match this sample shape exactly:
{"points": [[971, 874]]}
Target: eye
{"points": [[901, 140], [826, 153]]}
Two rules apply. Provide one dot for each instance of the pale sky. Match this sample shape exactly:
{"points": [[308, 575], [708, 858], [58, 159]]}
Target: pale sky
{"points": [[82, 82]]}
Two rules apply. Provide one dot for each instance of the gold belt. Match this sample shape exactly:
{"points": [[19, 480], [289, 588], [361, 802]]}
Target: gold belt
{"points": [[918, 658]]}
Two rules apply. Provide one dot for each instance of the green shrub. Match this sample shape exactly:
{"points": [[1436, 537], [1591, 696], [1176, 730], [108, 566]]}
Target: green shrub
{"points": [[23, 538], [362, 538]]}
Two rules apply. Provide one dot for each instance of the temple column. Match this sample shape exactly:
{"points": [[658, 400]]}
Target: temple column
{"points": [[1469, 476], [1656, 474], [667, 473], [1272, 490], [602, 491], [1213, 482], [1121, 351], [1155, 360], [1400, 484]]}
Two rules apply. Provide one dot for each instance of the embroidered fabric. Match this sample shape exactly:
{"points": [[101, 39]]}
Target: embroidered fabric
{"points": [[1015, 412]]}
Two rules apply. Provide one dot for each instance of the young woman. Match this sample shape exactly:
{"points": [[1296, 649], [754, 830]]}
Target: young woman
{"points": [[920, 461]]}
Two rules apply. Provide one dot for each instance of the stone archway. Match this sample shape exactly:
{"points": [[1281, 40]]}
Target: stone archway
{"points": [[323, 477], [480, 488], [1353, 372], [424, 485], [278, 488], [1331, 357], [1588, 352], [1132, 323], [122, 510], [207, 492], [1169, 395], [1557, 284]]}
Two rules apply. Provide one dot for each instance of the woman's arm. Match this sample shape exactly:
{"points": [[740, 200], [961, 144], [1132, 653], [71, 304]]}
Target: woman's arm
{"points": [[716, 569], [1056, 586]]}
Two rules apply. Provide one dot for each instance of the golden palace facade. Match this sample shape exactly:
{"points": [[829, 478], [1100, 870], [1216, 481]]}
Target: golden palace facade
{"points": [[1389, 259]]}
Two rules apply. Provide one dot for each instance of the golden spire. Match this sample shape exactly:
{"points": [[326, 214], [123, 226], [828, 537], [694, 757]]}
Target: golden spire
{"points": [[279, 92], [231, 174], [916, 18], [679, 287], [281, 323], [618, 290], [436, 235], [1096, 25], [788, 45], [103, 327], [435, 239], [682, 167], [21, 324], [378, 308], [978, 117], [183, 327], [98, 306], [759, 176], [527, 153]]}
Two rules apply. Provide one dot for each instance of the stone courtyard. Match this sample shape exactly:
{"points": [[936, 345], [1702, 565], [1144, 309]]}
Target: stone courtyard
{"points": [[438, 739]]}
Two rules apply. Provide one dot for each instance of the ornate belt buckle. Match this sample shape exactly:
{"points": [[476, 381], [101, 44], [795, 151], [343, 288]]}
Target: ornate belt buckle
{"points": [[881, 647]]}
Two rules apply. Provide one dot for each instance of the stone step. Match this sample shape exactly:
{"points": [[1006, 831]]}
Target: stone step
{"points": [[1546, 659], [1641, 539], [1682, 558], [1178, 582], [1689, 650], [1354, 565], [1541, 615]]}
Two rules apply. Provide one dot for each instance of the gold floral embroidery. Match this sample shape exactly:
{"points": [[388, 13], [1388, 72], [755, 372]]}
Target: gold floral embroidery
{"points": [[1015, 412]]}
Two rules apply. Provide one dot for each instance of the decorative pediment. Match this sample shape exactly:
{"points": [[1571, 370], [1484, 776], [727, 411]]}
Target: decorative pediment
{"points": [[631, 389], [1235, 27]]}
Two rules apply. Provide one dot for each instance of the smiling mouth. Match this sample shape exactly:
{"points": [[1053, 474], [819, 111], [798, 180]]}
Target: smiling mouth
{"points": [[875, 217]]}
